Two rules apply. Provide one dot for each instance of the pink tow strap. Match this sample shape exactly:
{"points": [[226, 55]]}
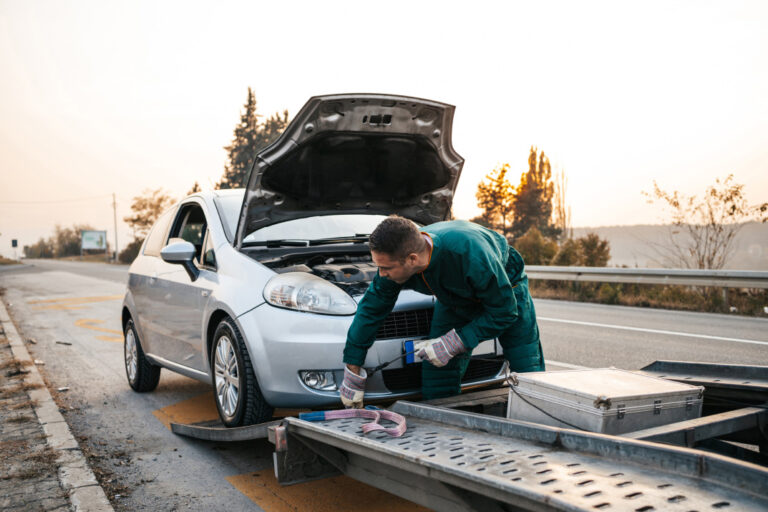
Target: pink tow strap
{"points": [[372, 414]]}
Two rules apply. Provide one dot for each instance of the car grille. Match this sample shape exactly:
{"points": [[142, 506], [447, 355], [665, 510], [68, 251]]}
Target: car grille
{"points": [[409, 378], [406, 324]]}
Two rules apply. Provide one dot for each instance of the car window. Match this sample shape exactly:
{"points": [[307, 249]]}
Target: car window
{"points": [[156, 238], [209, 256], [321, 226], [191, 226], [229, 206]]}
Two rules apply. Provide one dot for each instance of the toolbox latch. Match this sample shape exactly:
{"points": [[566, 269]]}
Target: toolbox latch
{"points": [[620, 410], [656, 407], [688, 403]]}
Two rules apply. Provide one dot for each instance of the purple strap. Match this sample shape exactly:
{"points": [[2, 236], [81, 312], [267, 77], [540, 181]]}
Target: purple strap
{"points": [[374, 415]]}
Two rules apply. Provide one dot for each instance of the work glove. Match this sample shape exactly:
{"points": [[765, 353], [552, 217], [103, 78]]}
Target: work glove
{"points": [[352, 388], [440, 350]]}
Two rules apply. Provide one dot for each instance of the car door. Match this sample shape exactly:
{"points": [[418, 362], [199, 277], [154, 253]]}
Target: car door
{"points": [[180, 302], [142, 279]]}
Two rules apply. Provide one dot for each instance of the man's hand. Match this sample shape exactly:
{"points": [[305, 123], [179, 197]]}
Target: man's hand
{"points": [[440, 350], [352, 390]]}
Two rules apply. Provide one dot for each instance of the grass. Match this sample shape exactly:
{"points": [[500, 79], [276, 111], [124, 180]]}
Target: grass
{"points": [[22, 418], [13, 363], [22, 405], [6, 261], [688, 298], [17, 388]]}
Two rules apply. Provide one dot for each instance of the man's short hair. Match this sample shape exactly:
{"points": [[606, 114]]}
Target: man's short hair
{"points": [[396, 236]]}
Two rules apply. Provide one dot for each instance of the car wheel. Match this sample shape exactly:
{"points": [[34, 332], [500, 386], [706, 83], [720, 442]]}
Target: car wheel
{"points": [[142, 375], [237, 393]]}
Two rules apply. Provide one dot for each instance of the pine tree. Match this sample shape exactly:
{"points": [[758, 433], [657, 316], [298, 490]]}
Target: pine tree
{"points": [[533, 198], [250, 137]]}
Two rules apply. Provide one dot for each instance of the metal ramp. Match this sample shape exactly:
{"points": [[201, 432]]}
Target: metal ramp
{"points": [[216, 431], [452, 460], [736, 381]]}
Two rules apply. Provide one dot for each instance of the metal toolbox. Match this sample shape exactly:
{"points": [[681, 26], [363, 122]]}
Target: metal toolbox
{"points": [[605, 400]]}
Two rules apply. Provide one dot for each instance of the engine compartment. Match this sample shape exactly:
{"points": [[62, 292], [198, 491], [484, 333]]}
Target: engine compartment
{"points": [[352, 273]]}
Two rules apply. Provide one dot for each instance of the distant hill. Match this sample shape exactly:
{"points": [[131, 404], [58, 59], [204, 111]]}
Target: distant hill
{"points": [[631, 245]]}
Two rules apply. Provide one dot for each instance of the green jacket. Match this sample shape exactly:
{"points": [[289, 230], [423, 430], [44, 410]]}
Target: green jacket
{"points": [[471, 271]]}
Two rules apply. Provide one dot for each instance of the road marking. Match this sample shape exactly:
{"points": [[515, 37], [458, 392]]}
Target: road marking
{"points": [[193, 410], [654, 331], [326, 495], [88, 323], [71, 302]]}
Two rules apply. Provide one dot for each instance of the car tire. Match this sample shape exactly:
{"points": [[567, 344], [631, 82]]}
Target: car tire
{"points": [[236, 391], [142, 375]]}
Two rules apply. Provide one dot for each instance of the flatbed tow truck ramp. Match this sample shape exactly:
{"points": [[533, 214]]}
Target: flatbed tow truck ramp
{"points": [[455, 460]]}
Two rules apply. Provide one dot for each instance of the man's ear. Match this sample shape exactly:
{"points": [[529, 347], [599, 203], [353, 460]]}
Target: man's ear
{"points": [[412, 259]]}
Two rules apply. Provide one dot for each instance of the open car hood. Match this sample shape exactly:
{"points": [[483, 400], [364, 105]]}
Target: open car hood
{"points": [[356, 153]]}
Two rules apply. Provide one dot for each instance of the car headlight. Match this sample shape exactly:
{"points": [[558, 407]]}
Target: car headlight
{"points": [[307, 292]]}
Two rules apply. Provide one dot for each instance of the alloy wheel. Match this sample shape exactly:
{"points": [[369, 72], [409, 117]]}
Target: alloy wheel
{"points": [[131, 355], [227, 376]]}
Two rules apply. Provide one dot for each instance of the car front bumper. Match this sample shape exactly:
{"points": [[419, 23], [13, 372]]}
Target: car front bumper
{"points": [[283, 342]]}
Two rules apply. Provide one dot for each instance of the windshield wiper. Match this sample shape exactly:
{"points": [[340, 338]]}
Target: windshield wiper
{"points": [[296, 242]]}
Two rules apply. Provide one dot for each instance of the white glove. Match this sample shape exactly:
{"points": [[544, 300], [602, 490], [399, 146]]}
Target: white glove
{"points": [[352, 388], [440, 350]]}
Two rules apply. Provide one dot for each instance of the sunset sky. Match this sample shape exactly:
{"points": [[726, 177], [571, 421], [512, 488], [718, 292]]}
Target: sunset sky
{"points": [[99, 97]]}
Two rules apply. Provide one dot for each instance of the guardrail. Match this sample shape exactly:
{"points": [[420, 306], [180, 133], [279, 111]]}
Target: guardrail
{"points": [[718, 278]]}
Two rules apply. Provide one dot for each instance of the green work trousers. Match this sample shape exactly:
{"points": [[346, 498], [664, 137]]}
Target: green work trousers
{"points": [[520, 343]]}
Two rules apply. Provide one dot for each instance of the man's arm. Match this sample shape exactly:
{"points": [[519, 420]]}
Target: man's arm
{"points": [[374, 307]]}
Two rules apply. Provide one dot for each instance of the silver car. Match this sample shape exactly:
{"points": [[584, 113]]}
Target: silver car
{"points": [[253, 290]]}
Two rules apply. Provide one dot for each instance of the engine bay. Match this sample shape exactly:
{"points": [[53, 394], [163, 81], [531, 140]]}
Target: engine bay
{"points": [[351, 273]]}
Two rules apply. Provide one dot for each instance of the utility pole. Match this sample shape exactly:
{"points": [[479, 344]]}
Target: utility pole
{"points": [[114, 213]]}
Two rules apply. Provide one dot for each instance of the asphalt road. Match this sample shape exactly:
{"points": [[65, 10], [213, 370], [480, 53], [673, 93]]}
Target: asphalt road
{"points": [[148, 467]]}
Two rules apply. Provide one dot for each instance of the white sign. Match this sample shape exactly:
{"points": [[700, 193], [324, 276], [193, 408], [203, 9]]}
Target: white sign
{"points": [[94, 240]]}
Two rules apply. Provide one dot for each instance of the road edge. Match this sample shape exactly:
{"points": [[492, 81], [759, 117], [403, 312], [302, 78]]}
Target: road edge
{"points": [[75, 475]]}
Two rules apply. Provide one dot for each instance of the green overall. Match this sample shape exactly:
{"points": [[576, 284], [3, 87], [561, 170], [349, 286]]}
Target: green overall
{"points": [[481, 291]]}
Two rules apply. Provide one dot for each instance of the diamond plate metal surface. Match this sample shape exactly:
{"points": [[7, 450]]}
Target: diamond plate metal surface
{"points": [[563, 479]]}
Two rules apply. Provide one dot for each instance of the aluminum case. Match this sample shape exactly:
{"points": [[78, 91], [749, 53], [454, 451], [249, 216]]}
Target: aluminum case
{"points": [[604, 400]]}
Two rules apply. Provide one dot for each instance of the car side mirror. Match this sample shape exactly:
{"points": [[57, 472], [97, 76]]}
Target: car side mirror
{"points": [[182, 253]]}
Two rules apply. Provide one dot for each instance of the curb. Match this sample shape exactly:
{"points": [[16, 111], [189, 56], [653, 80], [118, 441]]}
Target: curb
{"points": [[75, 475]]}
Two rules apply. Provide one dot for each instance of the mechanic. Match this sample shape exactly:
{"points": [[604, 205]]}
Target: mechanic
{"points": [[481, 292]]}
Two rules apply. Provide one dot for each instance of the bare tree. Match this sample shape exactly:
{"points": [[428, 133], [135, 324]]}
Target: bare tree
{"points": [[561, 212], [703, 229], [146, 209]]}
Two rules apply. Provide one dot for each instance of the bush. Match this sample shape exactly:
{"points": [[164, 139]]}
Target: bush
{"points": [[130, 252], [608, 293], [535, 249]]}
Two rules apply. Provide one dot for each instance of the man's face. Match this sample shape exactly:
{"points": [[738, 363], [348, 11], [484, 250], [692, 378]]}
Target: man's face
{"points": [[394, 269]]}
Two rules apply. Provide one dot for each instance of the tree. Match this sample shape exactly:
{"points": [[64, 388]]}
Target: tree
{"points": [[595, 252], [495, 195], [131, 250], [43, 248], [67, 241], [533, 198], [195, 189], [703, 229], [250, 137], [561, 213], [146, 209], [535, 248]]}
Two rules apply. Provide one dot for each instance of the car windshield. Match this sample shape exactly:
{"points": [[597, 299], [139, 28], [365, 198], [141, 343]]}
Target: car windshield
{"points": [[318, 227]]}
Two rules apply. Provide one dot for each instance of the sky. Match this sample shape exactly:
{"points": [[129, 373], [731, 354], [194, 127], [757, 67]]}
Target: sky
{"points": [[103, 97]]}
